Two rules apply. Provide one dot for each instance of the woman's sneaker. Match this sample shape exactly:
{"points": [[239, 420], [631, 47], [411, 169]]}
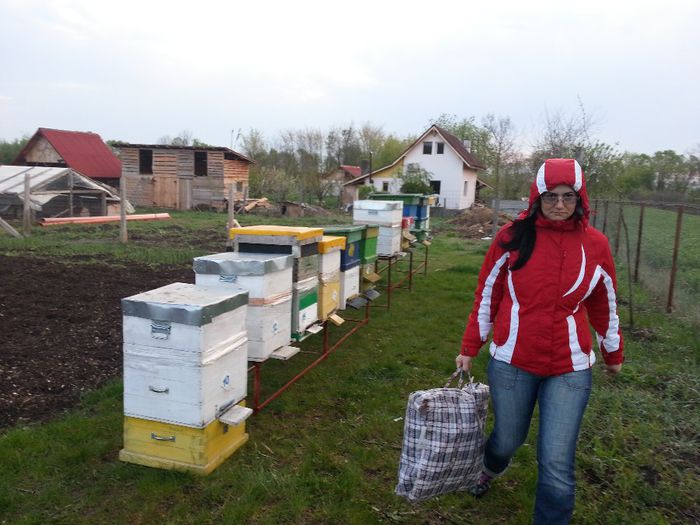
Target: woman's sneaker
{"points": [[481, 486]]}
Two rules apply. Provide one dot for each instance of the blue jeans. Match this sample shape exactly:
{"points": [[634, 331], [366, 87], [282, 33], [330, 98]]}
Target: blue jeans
{"points": [[562, 400]]}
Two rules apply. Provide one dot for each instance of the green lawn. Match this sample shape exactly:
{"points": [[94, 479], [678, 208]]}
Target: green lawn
{"points": [[327, 450]]}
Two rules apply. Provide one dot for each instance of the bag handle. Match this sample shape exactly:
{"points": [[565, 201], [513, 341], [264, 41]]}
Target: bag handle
{"points": [[459, 373]]}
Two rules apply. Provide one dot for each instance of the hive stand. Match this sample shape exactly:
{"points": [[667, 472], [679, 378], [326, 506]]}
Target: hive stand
{"points": [[391, 265], [256, 367]]}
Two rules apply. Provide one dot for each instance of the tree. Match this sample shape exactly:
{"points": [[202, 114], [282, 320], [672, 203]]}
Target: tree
{"points": [[415, 180], [10, 150], [569, 136], [500, 147]]}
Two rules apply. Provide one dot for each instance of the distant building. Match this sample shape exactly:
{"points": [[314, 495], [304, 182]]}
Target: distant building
{"points": [[338, 178], [83, 152], [452, 166], [182, 177]]}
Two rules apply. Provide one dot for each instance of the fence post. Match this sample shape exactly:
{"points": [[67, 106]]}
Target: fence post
{"points": [[639, 243], [123, 234], [674, 264], [595, 212], [605, 215], [617, 231], [27, 211]]}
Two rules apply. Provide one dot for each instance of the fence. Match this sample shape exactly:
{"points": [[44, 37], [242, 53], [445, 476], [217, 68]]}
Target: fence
{"points": [[660, 245]]}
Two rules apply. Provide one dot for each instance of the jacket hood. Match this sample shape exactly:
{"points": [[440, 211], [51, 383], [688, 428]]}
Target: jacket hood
{"points": [[560, 171]]}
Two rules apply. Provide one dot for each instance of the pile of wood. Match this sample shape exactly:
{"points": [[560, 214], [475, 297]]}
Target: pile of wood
{"points": [[477, 222], [249, 205]]}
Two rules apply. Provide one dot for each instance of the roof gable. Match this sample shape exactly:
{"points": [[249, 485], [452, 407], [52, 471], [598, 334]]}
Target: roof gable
{"points": [[82, 151]]}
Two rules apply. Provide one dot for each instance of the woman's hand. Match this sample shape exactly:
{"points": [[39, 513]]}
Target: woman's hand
{"points": [[613, 370], [464, 362]]}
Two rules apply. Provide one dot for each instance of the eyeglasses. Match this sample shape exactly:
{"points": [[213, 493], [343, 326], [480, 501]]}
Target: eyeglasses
{"points": [[549, 197]]}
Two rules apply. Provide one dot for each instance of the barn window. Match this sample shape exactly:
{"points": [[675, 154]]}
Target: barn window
{"points": [[146, 161], [427, 148], [435, 186], [385, 186], [440, 148], [200, 163], [239, 187], [466, 188]]}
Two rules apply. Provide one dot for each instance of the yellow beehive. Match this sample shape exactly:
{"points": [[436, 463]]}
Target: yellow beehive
{"points": [[299, 233], [328, 297], [175, 447]]}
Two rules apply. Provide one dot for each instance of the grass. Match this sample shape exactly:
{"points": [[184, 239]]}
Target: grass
{"points": [[327, 450], [656, 254]]}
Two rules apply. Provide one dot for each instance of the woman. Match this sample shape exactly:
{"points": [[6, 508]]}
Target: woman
{"points": [[545, 276]]}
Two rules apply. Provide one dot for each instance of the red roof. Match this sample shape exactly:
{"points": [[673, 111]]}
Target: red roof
{"points": [[355, 171], [82, 151]]}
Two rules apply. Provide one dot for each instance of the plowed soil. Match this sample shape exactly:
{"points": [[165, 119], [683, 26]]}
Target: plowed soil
{"points": [[61, 329]]}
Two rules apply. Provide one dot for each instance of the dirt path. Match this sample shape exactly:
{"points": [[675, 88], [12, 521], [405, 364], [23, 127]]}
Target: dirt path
{"points": [[60, 330]]}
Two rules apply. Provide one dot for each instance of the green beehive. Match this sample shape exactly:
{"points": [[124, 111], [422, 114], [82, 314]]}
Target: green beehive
{"points": [[407, 198], [352, 232], [368, 246]]}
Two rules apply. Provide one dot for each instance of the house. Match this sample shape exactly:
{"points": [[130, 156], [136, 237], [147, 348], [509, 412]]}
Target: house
{"points": [[53, 192], [338, 178], [452, 168], [182, 177], [83, 152]]}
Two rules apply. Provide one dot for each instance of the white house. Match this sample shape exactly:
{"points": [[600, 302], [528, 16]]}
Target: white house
{"points": [[452, 168]]}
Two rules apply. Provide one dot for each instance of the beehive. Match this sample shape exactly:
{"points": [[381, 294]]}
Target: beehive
{"points": [[389, 240], [330, 249], [268, 279], [183, 317], [184, 388], [269, 327], [304, 306], [175, 447], [263, 275], [368, 246], [349, 285], [276, 239], [380, 213]]}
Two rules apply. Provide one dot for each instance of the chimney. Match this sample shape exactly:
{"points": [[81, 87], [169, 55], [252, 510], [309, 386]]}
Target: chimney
{"points": [[364, 167], [467, 145]]}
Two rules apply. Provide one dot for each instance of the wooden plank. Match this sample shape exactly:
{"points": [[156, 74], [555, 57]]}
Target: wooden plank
{"points": [[9, 229]]}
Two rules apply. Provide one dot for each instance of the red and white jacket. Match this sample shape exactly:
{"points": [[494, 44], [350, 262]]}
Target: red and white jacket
{"points": [[539, 313]]}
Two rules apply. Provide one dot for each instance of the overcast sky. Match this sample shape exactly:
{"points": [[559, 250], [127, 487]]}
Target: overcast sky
{"points": [[136, 71]]}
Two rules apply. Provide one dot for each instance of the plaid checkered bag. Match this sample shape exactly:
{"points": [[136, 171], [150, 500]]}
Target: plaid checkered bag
{"points": [[443, 440]]}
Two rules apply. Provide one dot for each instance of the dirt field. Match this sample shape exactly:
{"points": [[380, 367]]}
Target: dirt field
{"points": [[60, 330]]}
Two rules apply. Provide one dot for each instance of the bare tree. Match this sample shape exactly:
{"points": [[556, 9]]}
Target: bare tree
{"points": [[501, 146]]}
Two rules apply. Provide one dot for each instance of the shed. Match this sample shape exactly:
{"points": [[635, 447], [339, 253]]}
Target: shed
{"points": [[182, 177], [82, 151], [52, 190]]}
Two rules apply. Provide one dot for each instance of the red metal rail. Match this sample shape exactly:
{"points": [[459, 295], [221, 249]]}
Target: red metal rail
{"points": [[327, 350]]}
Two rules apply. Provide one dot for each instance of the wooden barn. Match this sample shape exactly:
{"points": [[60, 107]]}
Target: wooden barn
{"points": [[83, 152], [182, 177]]}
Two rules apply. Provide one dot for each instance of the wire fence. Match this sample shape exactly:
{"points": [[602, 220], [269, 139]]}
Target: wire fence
{"points": [[660, 245]]}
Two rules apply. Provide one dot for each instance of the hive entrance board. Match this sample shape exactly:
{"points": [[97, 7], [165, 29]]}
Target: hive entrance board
{"points": [[285, 352]]}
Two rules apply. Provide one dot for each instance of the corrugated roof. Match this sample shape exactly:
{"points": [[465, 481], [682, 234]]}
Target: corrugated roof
{"points": [[83, 151], [40, 177], [12, 177]]}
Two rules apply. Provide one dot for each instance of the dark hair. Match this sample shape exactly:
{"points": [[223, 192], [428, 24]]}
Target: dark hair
{"points": [[523, 234], [522, 237]]}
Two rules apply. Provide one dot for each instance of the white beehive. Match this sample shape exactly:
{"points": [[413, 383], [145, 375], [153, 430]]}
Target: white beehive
{"points": [[329, 262], [349, 285], [381, 213], [263, 275], [269, 327], [184, 317], [389, 240], [182, 387]]}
